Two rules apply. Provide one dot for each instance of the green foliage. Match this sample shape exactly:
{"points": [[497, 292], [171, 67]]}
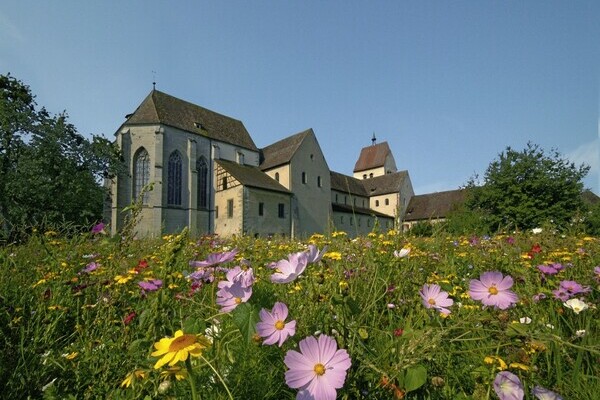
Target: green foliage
{"points": [[466, 221], [525, 189], [49, 174], [69, 334]]}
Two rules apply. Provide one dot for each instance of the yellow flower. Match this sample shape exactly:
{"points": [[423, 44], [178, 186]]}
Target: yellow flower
{"points": [[495, 359], [178, 348], [122, 279], [177, 372], [132, 377], [333, 255], [71, 356], [517, 365]]}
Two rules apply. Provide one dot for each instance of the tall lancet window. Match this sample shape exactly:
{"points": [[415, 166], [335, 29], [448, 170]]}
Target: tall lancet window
{"points": [[141, 174], [174, 179], [202, 171]]}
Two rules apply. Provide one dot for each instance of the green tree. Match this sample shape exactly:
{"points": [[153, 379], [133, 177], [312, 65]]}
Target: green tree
{"points": [[524, 189], [49, 173]]}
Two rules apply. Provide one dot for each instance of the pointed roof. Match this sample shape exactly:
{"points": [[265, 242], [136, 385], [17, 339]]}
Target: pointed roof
{"points": [[347, 184], [281, 152], [161, 108], [251, 176], [372, 157], [385, 184], [434, 205]]}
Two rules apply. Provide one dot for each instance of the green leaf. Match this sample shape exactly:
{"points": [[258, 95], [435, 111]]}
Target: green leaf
{"points": [[415, 378], [245, 317]]}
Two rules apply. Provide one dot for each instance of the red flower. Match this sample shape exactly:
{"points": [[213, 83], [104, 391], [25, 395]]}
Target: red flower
{"points": [[142, 264], [129, 317], [398, 332]]}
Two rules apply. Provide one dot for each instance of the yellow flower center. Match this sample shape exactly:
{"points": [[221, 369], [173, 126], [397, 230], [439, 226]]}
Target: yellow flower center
{"points": [[319, 369], [493, 290], [431, 301], [238, 300], [279, 325], [181, 342]]}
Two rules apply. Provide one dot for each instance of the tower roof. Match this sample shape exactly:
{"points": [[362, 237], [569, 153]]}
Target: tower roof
{"points": [[372, 157], [281, 152]]}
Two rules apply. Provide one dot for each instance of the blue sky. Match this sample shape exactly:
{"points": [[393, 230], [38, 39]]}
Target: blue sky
{"points": [[447, 84]]}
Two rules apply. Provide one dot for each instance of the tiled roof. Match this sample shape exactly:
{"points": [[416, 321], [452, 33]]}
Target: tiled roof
{"points": [[281, 152], [385, 184], [251, 176], [434, 205], [161, 108], [589, 197], [372, 157], [347, 184], [357, 210]]}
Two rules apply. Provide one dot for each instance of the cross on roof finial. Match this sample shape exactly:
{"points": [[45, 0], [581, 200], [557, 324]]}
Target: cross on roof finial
{"points": [[153, 80], [373, 139]]}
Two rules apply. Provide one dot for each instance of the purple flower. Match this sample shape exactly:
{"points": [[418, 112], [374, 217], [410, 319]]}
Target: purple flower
{"points": [[538, 297], [508, 386], [314, 255], [551, 269], [492, 289], [272, 325], [151, 285], [318, 370], [597, 273], [545, 394], [290, 269], [573, 287], [229, 297], [214, 259], [90, 267], [434, 297], [238, 275], [98, 228], [202, 274]]}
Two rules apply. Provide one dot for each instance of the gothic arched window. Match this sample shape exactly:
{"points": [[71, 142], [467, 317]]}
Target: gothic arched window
{"points": [[141, 173], [202, 172], [174, 179]]}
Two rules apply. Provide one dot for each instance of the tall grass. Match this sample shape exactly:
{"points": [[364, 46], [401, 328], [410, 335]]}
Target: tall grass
{"points": [[67, 333]]}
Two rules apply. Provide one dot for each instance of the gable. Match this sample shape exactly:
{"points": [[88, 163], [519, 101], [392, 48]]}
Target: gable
{"points": [[281, 152]]}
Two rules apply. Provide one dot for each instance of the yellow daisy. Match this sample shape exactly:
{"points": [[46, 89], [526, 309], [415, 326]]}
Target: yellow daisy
{"points": [[178, 348]]}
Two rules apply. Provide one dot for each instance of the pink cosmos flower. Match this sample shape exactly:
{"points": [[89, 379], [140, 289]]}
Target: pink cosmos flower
{"points": [[99, 228], [290, 269], [90, 267], [492, 289], [434, 297], [545, 394], [597, 273], [272, 325], [573, 287], [215, 259], [508, 386], [551, 269], [318, 370], [229, 297], [151, 285], [314, 255]]}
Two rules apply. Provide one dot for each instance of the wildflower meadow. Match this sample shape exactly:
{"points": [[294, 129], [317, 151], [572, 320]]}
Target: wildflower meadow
{"points": [[386, 316]]}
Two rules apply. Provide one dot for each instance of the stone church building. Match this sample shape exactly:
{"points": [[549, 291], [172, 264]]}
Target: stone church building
{"points": [[205, 172]]}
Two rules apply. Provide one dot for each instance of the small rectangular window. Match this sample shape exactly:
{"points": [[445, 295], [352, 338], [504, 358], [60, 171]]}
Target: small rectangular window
{"points": [[230, 208], [281, 210], [304, 177], [217, 212], [224, 182], [261, 209], [318, 181]]}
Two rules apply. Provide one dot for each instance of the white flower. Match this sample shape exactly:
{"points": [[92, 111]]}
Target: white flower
{"points": [[580, 333], [535, 231], [576, 305], [525, 320], [550, 326], [402, 253]]}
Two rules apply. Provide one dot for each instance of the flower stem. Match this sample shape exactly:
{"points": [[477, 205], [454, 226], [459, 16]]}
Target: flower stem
{"points": [[188, 366]]}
